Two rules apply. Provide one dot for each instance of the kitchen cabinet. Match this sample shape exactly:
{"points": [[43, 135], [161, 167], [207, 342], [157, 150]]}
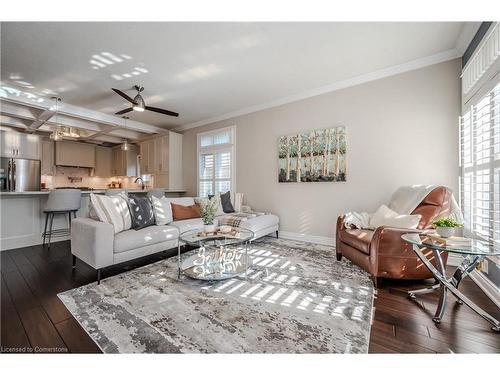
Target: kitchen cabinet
{"points": [[48, 167], [103, 162], [124, 162], [75, 154], [19, 145], [147, 159], [162, 157]]}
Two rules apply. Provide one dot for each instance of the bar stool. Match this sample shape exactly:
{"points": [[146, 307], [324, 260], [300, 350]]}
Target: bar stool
{"points": [[61, 202]]}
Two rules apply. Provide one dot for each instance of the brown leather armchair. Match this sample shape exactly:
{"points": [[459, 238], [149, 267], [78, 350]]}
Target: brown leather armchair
{"points": [[382, 252]]}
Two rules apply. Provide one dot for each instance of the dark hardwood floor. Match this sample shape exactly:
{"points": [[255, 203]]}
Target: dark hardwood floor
{"points": [[33, 319]]}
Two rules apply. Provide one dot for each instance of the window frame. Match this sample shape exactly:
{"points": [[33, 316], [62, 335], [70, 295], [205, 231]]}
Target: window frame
{"points": [[213, 149], [471, 169]]}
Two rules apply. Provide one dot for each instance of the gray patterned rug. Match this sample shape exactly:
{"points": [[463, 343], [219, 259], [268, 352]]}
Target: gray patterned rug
{"points": [[296, 299]]}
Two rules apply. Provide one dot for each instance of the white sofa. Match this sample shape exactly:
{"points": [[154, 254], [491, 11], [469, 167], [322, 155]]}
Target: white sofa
{"points": [[95, 243]]}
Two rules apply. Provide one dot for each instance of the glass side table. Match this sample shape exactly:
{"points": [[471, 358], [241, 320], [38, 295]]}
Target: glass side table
{"points": [[472, 250], [220, 256]]}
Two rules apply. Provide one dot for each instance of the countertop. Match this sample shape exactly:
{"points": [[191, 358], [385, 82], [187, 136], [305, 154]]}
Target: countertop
{"points": [[84, 192]]}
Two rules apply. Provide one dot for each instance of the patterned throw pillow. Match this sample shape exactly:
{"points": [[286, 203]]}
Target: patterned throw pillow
{"points": [[141, 211], [162, 210], [112, 210]]}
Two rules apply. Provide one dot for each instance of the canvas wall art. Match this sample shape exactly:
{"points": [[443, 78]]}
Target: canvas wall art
{"points": [[313, 156]]}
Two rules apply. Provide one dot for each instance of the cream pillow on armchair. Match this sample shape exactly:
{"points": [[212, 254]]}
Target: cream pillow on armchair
{"points": [[385, 216]]}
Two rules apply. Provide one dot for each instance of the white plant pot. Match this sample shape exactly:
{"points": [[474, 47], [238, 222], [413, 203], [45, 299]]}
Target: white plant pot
{"points": [[209, 228], [445, 232]]}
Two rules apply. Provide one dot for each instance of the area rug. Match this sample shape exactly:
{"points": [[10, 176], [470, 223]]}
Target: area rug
{"points": [[296, 298]]}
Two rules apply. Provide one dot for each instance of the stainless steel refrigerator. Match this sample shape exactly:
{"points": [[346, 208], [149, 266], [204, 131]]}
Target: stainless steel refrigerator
{"points": [[19, 174]]}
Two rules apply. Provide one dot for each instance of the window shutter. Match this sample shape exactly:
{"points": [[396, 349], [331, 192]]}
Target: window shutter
{"points": [[480, 164]]}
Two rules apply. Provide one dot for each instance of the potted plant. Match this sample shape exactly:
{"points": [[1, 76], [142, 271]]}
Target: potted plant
{"points": [[208, 208], [445, 227]]}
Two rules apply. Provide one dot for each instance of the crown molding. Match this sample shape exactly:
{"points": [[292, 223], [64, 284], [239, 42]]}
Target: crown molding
{"points": [[354, 81]]}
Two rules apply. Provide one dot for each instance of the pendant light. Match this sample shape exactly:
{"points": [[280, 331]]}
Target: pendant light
{"points": [[125, 145], [56, 134]]}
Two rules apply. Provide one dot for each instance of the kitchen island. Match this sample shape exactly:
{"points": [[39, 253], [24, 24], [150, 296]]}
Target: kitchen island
{"points": [[22, 217]]}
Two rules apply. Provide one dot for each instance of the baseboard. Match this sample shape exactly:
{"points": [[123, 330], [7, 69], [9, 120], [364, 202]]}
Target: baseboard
{"points": [[486, 286], [329, 241]]}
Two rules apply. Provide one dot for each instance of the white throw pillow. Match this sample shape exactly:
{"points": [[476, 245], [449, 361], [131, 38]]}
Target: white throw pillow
{"points": [[112, 210], [385, 216], [162, 210]]}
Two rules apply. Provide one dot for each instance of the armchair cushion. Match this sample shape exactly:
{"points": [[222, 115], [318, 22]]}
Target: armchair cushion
{"points": [[359, 239]]}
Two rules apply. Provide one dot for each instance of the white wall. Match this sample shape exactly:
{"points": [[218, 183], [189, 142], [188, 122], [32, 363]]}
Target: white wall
{"points": [[400, 130]]}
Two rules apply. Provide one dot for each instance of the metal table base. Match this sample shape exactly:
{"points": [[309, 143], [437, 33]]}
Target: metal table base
{"points": [[444, 285]]}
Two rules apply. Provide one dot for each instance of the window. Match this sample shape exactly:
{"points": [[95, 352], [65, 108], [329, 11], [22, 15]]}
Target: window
{"points": [[216, 161], [480, 165]]}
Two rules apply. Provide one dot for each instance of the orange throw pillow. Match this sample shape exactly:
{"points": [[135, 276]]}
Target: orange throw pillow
{"points": [[180, 212]]}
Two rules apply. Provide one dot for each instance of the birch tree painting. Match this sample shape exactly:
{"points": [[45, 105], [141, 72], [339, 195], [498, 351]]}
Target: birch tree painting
{"points": [[313, 156]]}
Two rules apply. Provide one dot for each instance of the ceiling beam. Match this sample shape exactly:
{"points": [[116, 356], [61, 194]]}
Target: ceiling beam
{"points": [[13, 121], [101, 132], [24, 100], [42, 119]]}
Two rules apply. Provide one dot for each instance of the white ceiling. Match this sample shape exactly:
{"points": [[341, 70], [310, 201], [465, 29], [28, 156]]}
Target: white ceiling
{"points": [[207, 70]]}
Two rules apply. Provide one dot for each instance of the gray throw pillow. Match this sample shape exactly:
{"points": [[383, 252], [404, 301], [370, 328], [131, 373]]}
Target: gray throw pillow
{"points": [[225, 200], [141, 211]]}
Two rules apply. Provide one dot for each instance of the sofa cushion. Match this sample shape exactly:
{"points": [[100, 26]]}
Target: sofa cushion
{"points": [[162, 210], [141, 211], [358, 238], [133, 239], [184, 201], [258, 223], [112, 210], [185, 225]]}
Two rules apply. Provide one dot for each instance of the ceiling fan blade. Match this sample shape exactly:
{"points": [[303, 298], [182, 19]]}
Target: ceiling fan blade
{"points": [[123, 95], [162, 111], [126, 110]]}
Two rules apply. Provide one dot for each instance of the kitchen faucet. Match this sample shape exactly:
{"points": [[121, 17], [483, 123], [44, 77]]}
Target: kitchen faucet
{"points": [[142, 182]]}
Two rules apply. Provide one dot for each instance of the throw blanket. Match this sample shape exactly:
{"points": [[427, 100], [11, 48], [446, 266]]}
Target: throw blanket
{"points": [[359, 220], [237, 218], [403, 201]]}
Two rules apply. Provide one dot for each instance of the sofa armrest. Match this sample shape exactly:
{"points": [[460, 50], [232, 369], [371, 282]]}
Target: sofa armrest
{"points": [[92, 242], [387, 241]]}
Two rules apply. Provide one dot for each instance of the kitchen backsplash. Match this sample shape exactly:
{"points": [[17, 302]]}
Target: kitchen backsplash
{"points": [[79, 177]]}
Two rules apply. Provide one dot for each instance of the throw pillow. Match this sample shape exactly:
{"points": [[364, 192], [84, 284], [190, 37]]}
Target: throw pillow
{"points": [[180, 212], [225, 200], [141, 211], [162, 210], [112, 210], [385, 216]]}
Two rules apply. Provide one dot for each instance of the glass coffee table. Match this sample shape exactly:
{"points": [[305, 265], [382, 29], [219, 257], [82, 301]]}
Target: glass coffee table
{"points": [[218, 256], [473, 251]]}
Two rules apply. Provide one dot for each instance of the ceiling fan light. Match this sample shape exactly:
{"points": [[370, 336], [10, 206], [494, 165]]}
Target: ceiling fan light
{"points": [[138, 108]]}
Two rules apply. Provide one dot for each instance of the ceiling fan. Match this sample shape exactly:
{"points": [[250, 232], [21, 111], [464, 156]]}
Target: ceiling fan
{"points": [[139, 105]]}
